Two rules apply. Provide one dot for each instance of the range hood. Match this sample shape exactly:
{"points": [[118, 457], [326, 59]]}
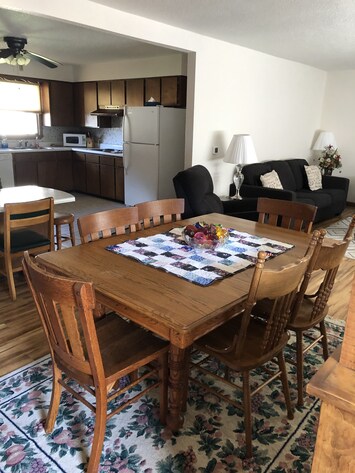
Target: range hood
{"points": [[108, 111]]}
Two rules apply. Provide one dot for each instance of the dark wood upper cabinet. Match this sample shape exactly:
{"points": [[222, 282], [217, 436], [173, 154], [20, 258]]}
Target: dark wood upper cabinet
{"points": [[111, 93], [118, 92], [135, 92], [57, 103], [85, 102], [173, 91], [152, 89]]}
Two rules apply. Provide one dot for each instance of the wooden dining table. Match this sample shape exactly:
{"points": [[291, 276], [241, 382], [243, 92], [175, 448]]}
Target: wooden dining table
{"points": [[17, 194], [171, 307]]}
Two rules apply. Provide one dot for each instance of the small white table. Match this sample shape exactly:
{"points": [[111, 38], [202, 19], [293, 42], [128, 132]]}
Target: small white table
{"points": [[13, 195]]}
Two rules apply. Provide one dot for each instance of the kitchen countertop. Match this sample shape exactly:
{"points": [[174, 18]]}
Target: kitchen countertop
{"points": [[115, 154]]}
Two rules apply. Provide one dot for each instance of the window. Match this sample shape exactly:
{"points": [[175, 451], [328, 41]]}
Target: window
{"points": [[20, 106]]}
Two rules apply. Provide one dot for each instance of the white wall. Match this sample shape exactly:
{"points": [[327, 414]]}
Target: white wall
{"points": [[339, 117], [236, 90], [169, 65]]}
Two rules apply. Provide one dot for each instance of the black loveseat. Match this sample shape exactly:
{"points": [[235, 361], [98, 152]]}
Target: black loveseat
{"points": [[330, 200]]}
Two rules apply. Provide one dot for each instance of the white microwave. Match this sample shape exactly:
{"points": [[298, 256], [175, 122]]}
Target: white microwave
{"points": [[74, 140]]}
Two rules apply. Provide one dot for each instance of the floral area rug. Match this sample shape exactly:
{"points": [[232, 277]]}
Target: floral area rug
{"points": [[337, 231], [212, 439]]}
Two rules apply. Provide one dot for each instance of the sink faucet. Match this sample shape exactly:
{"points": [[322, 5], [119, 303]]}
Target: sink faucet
{"points": [[20, 144]]}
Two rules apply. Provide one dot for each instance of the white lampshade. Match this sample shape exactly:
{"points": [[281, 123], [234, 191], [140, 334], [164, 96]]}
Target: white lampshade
{"points": [[241, 151], [324, 139]]}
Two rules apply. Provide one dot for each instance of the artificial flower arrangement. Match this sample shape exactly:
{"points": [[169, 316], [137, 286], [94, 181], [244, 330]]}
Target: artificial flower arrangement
{"points": [[330, 159], [205, 235]]}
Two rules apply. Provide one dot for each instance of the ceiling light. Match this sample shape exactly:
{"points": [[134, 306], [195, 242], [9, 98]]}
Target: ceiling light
{"points": [[18, 60]]}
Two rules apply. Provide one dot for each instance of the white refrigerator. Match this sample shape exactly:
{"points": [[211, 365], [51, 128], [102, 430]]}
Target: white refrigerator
{"points": [[153, 152]]}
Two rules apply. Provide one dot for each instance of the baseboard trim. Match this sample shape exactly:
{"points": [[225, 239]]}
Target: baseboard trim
{"points": [[351, 204]]}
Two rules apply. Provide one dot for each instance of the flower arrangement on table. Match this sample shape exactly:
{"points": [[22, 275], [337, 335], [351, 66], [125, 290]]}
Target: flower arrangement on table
{"points": [[205, 235], [330, 159]]}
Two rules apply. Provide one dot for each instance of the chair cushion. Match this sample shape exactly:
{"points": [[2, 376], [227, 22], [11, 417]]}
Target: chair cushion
{"points": [[314, 177], [22, 240], [271, 179]]}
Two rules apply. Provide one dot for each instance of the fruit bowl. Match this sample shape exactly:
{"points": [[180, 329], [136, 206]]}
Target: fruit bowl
{"points": [[205, 235]]}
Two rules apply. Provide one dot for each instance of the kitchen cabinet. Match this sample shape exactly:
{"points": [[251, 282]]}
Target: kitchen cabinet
{"points": [[93, 174], [111, 93], [85, 102], [44, 168], [57, 103], [79, 172], [173, 91], [119, 179], [25, 169], [152, 89], [107, 177], [135, 92]]}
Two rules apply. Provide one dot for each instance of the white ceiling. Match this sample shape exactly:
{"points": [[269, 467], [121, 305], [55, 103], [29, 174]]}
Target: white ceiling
{"points": [[320, 33]]}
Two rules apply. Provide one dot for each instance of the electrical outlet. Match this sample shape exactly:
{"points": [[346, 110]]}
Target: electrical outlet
{"points": [[215, 150]]}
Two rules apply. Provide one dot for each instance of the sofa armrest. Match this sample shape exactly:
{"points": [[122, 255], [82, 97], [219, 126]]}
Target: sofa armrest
{"points": [[259, 191], [335, 182]]}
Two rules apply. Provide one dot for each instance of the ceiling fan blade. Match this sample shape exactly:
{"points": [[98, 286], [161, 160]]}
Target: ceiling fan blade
{"points": [[4, 53], [43, 60]]}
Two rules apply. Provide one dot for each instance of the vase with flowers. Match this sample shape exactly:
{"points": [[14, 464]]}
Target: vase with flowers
{"points": [[330, 160]]}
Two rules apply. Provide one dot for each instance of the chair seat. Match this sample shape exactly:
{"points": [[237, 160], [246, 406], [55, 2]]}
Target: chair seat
{"points": [[124, 344], [63, 218], [303, 319], [24, 240], [251, 356]]}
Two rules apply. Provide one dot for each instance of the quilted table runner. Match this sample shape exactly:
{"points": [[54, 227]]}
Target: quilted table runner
{"points": [[169, 252]]}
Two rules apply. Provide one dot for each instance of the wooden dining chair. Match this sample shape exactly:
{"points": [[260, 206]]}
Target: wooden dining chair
{"points": [[246, 343], [27, 226], [310, 310], [95, 355], [107, 223], [157, 212], [350, 231], [286, 214]]}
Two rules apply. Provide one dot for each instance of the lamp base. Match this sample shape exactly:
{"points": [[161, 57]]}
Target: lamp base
{"points": [[238, 179]]}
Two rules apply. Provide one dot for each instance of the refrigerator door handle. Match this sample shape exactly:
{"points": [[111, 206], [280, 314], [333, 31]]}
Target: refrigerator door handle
{"points": [[125, 158]]}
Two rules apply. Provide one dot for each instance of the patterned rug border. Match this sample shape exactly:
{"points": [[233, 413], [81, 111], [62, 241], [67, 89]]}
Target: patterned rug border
{"points": [[130, 446]]}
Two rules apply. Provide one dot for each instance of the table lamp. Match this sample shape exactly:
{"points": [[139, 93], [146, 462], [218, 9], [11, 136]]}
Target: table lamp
{"points": [[241, 151], [325, 138]]}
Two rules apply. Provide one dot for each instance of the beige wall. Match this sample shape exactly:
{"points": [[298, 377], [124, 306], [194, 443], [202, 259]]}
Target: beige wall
{"points": [[339, 117], [236, 90]]}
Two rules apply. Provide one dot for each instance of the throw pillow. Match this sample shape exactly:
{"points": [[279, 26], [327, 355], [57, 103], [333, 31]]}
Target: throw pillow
{"points": [[271, 179], [314, 177]]}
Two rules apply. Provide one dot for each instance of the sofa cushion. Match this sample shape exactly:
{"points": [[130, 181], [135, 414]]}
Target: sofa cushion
{"points": [[252, 173], [320, 199], [314, 177], [271, 179], [285, 174], [299, 174]]}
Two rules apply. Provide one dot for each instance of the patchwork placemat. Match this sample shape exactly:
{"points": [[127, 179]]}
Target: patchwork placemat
{"points": [[169, 252]]}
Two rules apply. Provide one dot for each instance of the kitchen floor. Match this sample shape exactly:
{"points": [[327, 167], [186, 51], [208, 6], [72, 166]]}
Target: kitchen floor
{"points": [[84, 204]]}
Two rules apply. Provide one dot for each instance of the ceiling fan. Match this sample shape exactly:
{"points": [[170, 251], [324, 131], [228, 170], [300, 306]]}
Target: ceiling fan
{"points": [[15, 54]]}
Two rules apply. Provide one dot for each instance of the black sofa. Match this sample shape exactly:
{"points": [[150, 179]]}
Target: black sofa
{"points": [[195, 185], [330, 200]]}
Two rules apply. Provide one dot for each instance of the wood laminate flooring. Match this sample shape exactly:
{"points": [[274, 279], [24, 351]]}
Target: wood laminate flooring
{"points": [[22, 339]]}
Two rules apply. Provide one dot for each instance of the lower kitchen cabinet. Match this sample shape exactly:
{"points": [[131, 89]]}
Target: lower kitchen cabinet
{"points": [[79, 172], [46, 169], [25, 169], [99, 175]]}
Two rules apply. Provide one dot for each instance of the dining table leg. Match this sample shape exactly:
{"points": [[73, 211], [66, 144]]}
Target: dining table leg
{"points": [[179, 359]]}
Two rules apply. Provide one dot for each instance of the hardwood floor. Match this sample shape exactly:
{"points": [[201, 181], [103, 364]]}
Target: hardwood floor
{"points": [[22, 339]]}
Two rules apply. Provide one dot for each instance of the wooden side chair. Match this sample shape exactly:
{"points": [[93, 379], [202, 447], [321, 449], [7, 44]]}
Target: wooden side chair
{"points": [[286, 214], [310, 310], [95, 355], [61, 219], [27, 226], [246, 343], [156, 212], [107, 223]]}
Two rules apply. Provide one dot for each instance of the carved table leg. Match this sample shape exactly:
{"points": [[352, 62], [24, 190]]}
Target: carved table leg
{"points": [[178, 365]]}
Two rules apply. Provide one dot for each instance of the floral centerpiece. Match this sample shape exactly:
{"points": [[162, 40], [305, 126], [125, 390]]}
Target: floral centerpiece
{"points": [[330, 159]]}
